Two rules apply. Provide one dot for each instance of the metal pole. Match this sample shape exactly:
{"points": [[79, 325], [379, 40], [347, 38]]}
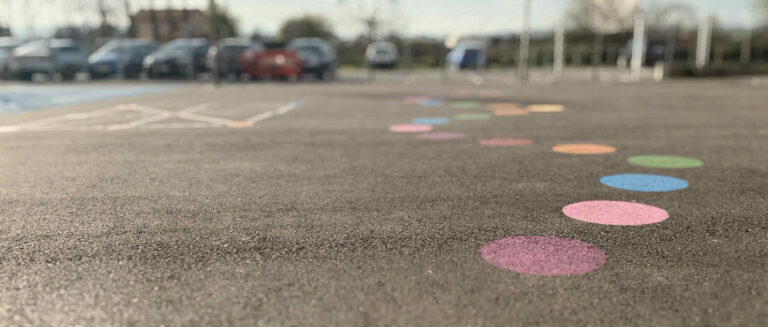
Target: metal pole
{"points": [[559, 62], [525, 42], [671, 48], [638, 46], [703, 42], [215, 32], [746, 48], [597, 55]]}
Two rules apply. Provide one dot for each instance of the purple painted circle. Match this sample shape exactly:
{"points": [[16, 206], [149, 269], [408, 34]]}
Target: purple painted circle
{"points": [[543, 255], [616, 213], [442, 136], [410, 128]]}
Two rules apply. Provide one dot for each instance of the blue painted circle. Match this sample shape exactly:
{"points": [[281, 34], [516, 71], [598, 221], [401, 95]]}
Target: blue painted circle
{"points": [[430, 121], [431, 103], [644, 182]]}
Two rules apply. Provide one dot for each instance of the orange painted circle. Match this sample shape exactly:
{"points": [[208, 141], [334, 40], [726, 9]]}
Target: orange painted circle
{"points": [[503, 106], [584, 148], [511, 112]]}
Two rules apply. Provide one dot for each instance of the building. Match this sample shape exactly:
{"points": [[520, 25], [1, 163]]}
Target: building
{"points": [[171, 24]]}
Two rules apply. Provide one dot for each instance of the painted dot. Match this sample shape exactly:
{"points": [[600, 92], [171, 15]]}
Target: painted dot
{"points": [[431, 103], [644, 182], [430, 121], [475, 116], [503, 105], [415, 99], [616, 213], [465, 104], [442, 136], [505, 142], [511, 112], [584, 148], [543, 255], [546, 108], [410, 128], [665, 161]]}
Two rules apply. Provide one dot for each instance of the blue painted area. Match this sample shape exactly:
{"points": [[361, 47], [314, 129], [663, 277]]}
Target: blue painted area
{"points": [[430, 121], [33, 97], [644, 182], [431, 103]]}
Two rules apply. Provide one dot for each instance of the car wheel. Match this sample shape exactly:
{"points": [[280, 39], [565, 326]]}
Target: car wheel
{"points": [[68, 73]]}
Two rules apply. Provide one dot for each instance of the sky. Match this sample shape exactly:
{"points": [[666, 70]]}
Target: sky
{"points": [[408, 17]]}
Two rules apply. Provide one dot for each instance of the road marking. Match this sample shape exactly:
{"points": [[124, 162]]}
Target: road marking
{"points": [[59, 123], [269, 114]]}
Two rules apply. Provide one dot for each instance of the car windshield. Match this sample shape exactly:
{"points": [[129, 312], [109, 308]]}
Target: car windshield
{"points": [[33, 48], [471, 55], [181, 45]]}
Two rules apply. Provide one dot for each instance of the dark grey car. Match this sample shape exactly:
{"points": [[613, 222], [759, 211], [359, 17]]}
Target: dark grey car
{"points": [[318, 57]]}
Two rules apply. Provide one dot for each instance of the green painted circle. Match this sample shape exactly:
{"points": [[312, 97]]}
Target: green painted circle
{"points": [[465, 104], [468, 116], [665, 161]]}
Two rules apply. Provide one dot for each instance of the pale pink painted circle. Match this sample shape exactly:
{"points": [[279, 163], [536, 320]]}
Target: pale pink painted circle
{"points": [[442, 136], [415, 99], [410, 128], [543, 255], [617, 213], [505, 142]]}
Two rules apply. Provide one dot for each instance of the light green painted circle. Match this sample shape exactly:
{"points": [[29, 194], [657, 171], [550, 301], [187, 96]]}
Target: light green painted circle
{"points": [[665, 161], [477, 116], [465, 104]]}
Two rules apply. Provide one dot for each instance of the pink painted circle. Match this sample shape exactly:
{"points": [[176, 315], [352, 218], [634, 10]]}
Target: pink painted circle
{"points": [[505, 142], [543, 255], [442, 136], [616, 213], [410, 128]]}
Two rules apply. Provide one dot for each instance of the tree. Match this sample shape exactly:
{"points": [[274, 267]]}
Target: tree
{"points": [[369, 15], [224, 21], [602, 17], [306, 26]]}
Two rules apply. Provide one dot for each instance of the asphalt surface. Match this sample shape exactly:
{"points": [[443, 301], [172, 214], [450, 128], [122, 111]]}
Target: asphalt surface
{"points": [[319, 216]]}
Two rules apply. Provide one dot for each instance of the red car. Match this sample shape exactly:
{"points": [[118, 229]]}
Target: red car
{"points": [[271, 62]]}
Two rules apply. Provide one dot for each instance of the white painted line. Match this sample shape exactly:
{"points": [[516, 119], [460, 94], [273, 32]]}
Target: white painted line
{"points": [[152, 111], [147, 120], [179, 125], [269, 114], [260, 117], [73, 116], [195, 109], [206, 119], [10, 129]]}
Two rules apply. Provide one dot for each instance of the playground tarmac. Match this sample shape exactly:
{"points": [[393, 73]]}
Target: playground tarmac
{"points": [[391, 203]]}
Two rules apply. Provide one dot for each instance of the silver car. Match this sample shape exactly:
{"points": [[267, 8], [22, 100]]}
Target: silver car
{"points": [[51, 57], [7, 44]]}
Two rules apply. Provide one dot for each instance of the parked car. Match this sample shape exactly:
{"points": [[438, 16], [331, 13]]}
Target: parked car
{"points": [[272, 60], [468, 54], [655, 50], [7, 44], [229, 55], [64, 57], [120, 56], [317, 57], [178, 58], [382, 55]]}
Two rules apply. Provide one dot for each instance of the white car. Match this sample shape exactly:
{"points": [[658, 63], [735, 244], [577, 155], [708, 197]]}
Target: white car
{"points": [[382, 55]]}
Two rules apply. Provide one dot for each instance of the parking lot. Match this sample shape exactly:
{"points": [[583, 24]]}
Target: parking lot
{"points": [[401, 202]]}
